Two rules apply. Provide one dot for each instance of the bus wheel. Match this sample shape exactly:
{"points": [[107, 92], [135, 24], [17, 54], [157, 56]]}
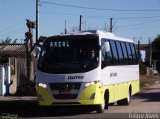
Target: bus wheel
{"points": [[100, 108], [128, 99], [125, 101], [106, 98]]}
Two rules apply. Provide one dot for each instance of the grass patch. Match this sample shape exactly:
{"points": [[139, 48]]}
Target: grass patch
{"points": [[148, 80], [142, 84]]}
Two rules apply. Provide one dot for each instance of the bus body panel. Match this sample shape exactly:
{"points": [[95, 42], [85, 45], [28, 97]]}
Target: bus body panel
{"points": [[85, 93], [117, 80], [73, 77]]}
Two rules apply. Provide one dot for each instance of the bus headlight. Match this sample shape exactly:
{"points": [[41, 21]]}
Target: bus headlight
{"points": [[90, 83], [42, 85]]}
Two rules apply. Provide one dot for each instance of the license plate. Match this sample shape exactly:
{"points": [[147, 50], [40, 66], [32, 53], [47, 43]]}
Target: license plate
{"points": [[64, 92]]}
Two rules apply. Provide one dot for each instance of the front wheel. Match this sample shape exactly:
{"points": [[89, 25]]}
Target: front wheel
{"points": [[100, 108]]}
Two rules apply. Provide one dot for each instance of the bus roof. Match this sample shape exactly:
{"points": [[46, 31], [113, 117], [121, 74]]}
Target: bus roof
{"points": [[108, 35], [100, 33]]}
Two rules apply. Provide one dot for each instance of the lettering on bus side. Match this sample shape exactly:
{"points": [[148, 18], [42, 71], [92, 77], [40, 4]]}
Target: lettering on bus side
{"points": [[75, 77], [113, 74]]}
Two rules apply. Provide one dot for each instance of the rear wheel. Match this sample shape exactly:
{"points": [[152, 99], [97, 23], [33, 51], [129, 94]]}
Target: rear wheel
{"points": [[125, 101]]}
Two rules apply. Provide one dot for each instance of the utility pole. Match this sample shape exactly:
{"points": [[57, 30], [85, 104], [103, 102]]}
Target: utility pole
{"points": [[80, 23], [65, 29], [37, 20], [150, 52], [139, 54], [110, 27]]}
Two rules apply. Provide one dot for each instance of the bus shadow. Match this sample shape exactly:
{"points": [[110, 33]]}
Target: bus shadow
{"points": [[149, 96], [24, 108]]}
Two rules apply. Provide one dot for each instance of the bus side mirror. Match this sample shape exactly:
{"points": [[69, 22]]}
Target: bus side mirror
{"points": [[106, 47]]}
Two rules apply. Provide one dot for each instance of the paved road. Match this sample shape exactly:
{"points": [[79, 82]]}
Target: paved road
{"points": [[147, 101]]}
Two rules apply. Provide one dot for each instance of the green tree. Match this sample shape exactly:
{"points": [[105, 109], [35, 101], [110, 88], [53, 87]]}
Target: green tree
{"points": [[156, 48], [8, 41], [156, 51]]}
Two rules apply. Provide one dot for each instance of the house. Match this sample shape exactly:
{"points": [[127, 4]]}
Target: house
{"points": [[146, 53], [14, 57], [145, 49]]}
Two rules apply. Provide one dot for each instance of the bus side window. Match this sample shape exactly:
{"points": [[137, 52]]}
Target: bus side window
{"points": [[130, 56], [124, 52], [114, 52], [106, 55], [120, 53], [134, 53]]}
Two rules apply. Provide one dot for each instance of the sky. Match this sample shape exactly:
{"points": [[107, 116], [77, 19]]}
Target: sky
{"points": [[135, 19]]}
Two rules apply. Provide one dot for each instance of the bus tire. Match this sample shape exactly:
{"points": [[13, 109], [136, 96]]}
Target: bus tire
{"points": [[100, 108], [125, 101], [106, 98]]}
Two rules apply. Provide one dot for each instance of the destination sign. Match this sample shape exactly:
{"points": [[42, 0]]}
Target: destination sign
{"points": [[59, 44]]}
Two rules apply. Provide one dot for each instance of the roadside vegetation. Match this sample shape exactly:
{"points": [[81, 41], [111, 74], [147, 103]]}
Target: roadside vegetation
{"points": [[147, 80]]}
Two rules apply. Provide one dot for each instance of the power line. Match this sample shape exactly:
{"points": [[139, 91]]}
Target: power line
{"points": [[13, 26], [13, 32], [137, 28], [102, 17], [146, 19], [56, 13], [102, 9], [158, 20], [123, 18], [134, 26], [134, 18]]}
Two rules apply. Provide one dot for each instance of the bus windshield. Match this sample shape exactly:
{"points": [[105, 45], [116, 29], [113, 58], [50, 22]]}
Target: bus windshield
{"points": [[69, 54]]}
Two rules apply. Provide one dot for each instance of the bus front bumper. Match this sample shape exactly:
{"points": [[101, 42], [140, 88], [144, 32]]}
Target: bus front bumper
{"points": [[88, 95]]}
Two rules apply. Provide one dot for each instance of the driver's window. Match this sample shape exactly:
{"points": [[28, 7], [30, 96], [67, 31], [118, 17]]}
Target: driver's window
{"points": [[106, 55]]}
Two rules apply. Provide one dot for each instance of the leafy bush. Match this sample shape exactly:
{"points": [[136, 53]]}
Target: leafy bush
{"points": [[142, 69]]}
